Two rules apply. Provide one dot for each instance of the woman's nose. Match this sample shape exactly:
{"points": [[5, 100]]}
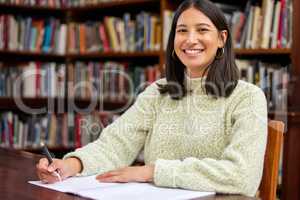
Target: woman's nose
{"points": [[192, 37]]}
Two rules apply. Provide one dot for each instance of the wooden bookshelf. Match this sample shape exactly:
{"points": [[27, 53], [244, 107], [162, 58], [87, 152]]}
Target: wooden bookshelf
{"points": [[32, 10], [129, 55], [8, 103], [119, 4], [106, 103], [57, 152], [14, 7], [29, 55], [111, 55], [264, 52], [289, 114], [53, 149], [291, 152], [115, 4], [291, 161]]}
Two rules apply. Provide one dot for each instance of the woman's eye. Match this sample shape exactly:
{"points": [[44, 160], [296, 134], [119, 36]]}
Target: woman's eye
{"points": [[181, 30], [202, 29]]}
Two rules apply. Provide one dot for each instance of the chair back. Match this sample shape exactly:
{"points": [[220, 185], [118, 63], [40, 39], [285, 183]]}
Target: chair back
{"points": [[268, 185]]}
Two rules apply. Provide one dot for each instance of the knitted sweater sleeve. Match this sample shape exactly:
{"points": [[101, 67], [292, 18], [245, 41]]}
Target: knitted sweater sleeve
{"points": [[239, 169], [121, 141]]}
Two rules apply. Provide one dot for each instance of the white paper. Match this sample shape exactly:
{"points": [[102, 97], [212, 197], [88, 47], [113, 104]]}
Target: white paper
{"points": [[91, 188]]}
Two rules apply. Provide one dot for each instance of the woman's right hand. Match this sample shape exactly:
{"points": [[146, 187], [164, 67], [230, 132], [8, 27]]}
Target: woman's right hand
{"points": [[65, 168]]}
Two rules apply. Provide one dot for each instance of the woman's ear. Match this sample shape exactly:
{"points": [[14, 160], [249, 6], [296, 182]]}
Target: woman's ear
{"points": [[222, 38]]}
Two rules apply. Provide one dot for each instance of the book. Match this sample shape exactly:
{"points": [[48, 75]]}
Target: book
{"points": [[167, 22], [275, 25], [269, 4], [56, 130], [269, 77]]}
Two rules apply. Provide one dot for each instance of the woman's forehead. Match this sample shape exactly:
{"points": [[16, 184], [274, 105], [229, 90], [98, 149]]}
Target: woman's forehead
{"points": [[193, 16]]}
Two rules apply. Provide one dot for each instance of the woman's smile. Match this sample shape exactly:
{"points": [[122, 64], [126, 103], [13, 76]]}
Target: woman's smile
{"points": [[193, 52]]}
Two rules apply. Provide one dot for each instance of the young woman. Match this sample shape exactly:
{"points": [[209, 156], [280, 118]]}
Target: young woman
{"points": [[200, 127]]}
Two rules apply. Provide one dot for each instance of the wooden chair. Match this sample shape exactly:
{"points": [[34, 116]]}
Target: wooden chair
{"points": [[268, 185]]}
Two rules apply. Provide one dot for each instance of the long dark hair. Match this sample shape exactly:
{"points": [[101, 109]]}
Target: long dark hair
{"points": [[222, 73]]}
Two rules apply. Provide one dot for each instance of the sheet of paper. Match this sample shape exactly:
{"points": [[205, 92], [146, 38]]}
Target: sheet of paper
{"points": [[91, 188]]}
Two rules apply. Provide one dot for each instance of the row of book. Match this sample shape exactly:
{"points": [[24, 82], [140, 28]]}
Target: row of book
{"points": [[51, 36], [44, 3], [33, 79], [269, 26], [111, 80], [272, 78], [114, 81], [263, 26], [116, 34], [30, 34], [55, 3], [117, 81], [64, 130]]}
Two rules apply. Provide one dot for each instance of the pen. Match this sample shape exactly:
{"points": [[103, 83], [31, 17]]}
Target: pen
{"points": [[49, 158]]}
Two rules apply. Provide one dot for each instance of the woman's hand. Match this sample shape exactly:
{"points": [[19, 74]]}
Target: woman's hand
{"points": [[128, 174], [65, 168]]}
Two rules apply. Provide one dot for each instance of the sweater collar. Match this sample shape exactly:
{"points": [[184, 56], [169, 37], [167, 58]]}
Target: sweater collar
{"points": [[195, 84]]}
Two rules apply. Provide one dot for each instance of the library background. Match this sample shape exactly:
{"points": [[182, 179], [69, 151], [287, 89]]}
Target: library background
{"points": [[66, 66]]}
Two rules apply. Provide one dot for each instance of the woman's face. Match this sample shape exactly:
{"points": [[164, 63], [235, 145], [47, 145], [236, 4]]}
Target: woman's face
{"points": [[196, 41]]}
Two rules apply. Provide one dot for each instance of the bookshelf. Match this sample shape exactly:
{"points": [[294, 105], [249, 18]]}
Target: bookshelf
{"points": [[291, 163], [266, 52], [9, 103], [23, 55], [130, 55], [29, 55]]}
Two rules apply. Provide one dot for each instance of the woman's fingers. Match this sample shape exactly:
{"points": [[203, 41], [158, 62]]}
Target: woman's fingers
{"points": [[48, 177], [39, 173], [46, 172], [128, 174], [114, 179], [43, 164], [40, 169], [116, 176], [108, 174]]}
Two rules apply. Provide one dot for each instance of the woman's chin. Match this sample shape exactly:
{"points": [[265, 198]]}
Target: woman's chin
{"points": [[194, 67]]}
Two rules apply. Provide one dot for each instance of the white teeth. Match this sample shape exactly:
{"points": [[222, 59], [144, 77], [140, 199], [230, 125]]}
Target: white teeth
{"points": [[193, 51]]}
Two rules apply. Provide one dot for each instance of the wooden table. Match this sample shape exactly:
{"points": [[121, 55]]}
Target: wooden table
{"points": [[18, 167]]}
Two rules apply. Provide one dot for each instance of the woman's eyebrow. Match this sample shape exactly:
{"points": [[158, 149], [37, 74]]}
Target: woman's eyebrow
{"points": [[202, 24], [181, 25], [199, 24]]}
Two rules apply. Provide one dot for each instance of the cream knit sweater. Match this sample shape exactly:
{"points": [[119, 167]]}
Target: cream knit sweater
{"points": [[197, 143]]}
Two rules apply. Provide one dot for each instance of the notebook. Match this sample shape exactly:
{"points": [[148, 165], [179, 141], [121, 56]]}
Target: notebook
{"points": [[89, 187]]}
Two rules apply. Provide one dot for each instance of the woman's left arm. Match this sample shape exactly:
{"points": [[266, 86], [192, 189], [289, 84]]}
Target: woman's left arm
{"points": [[239, 169]]}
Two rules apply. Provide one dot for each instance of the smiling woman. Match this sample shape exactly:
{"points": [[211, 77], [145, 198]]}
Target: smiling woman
{"points": [[210, 138], [200, 45]]}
